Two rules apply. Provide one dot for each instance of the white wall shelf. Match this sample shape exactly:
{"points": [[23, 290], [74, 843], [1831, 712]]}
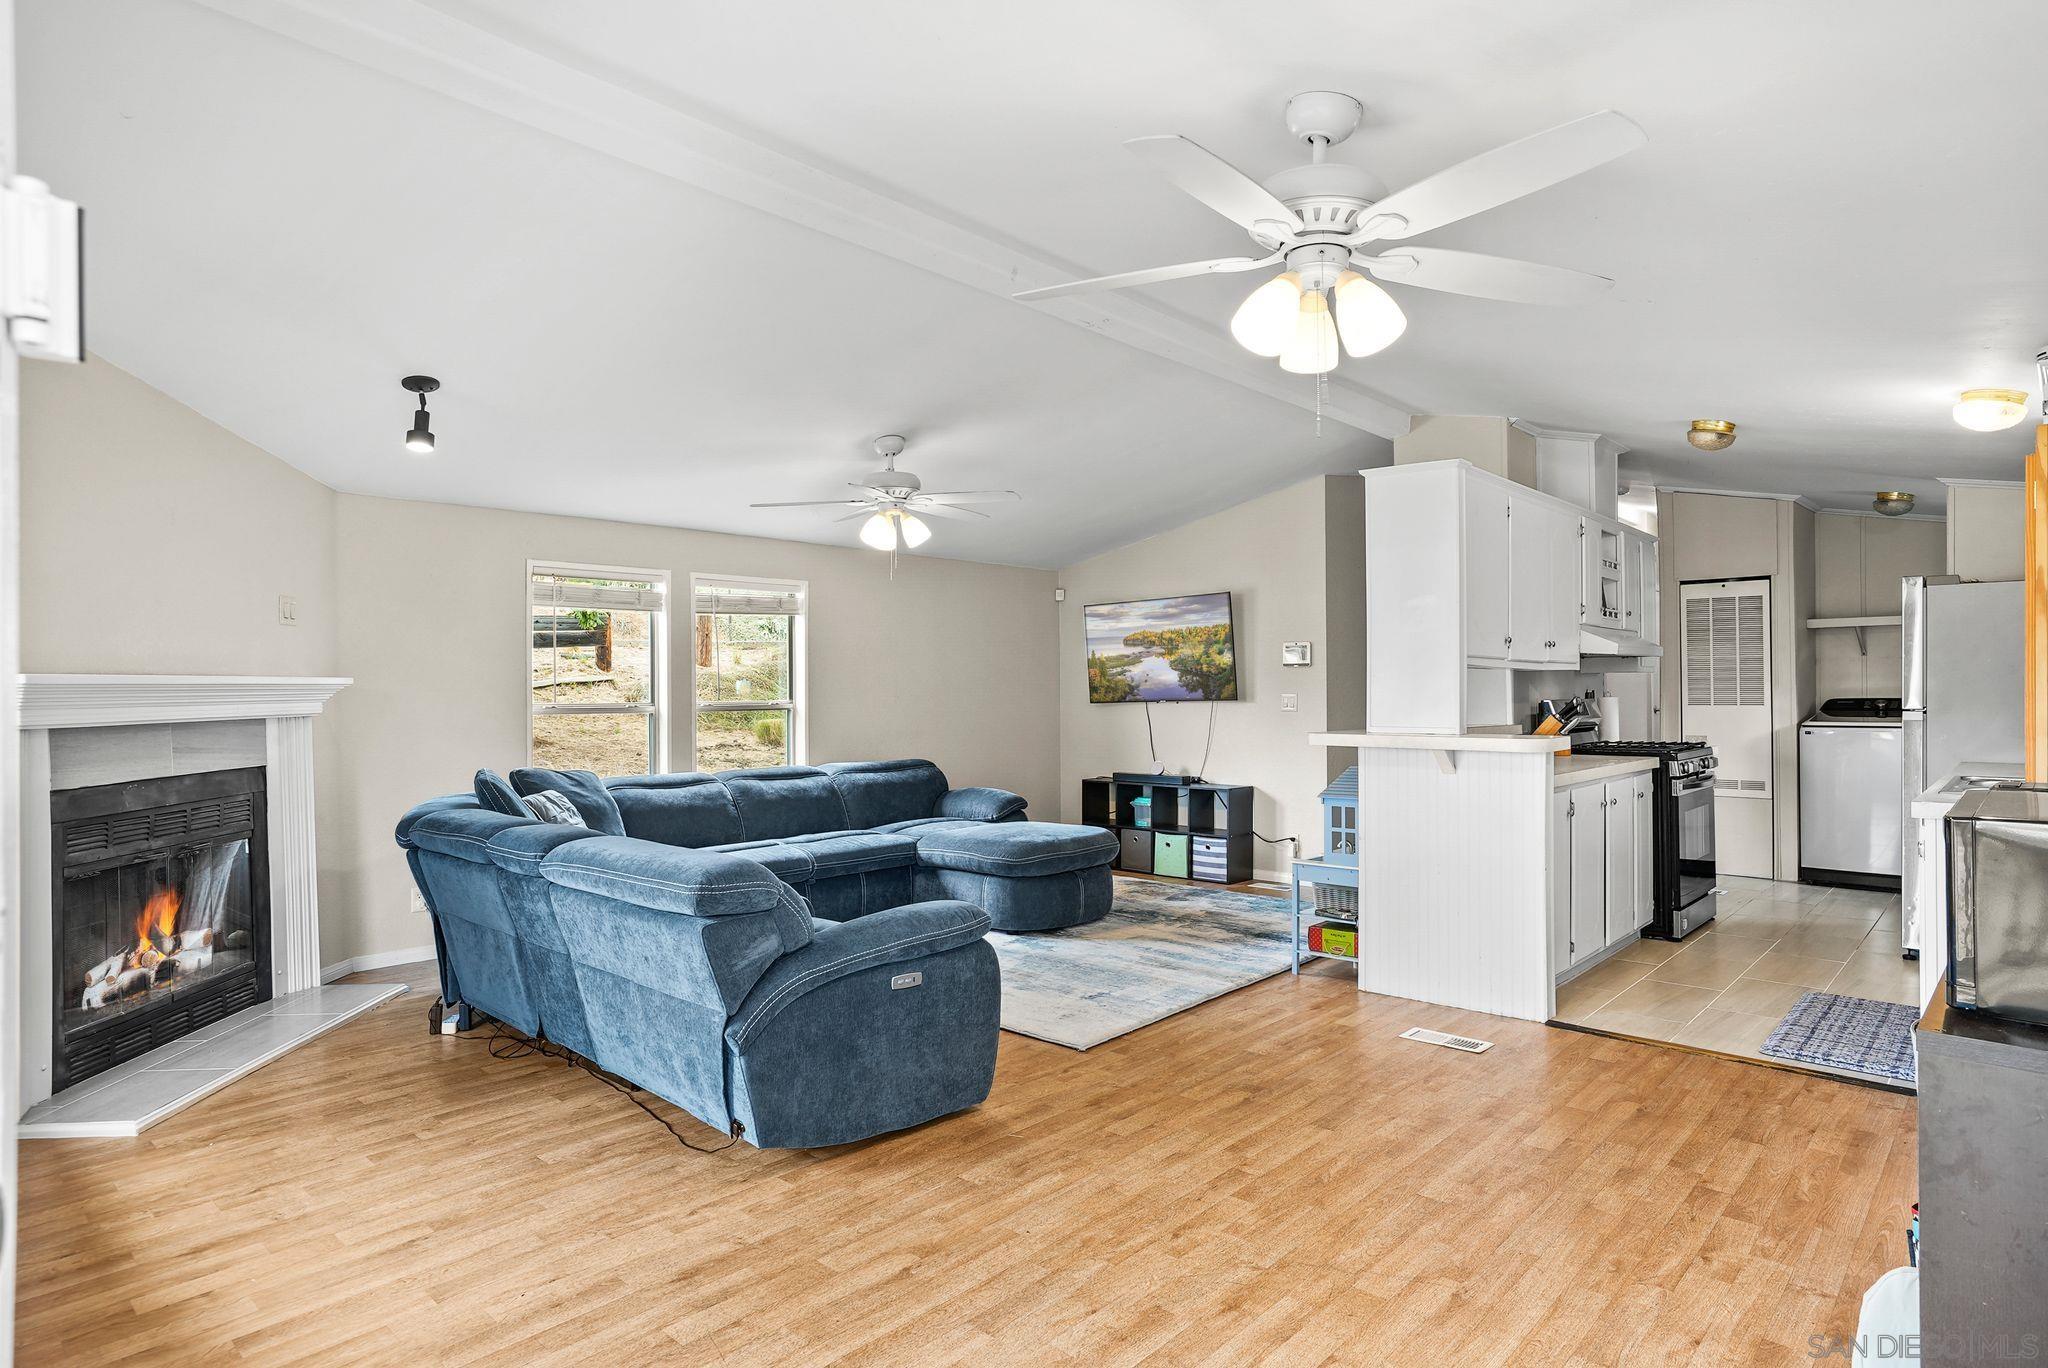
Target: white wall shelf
{"points": [[1856, 625]]}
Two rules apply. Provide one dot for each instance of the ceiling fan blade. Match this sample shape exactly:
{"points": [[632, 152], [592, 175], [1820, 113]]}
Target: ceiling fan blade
{"points": [[1215, 182], [1486, 277], [1220, 266], [861, 512], [813, 503], [945, 511], [956, 497], [1506, 173]]}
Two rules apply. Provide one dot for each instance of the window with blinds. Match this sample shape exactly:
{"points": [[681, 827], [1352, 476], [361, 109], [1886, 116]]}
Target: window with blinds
{"points": [[748, 664], [596, 667]]}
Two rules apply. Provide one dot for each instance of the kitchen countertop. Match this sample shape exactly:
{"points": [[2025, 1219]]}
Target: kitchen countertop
{"points": [[1586, 769], [1518, 742], [1937, 800]]}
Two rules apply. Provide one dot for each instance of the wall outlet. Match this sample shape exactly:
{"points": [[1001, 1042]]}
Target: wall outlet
{"points": [[287, 610], [1289, 703], [418, 903]]}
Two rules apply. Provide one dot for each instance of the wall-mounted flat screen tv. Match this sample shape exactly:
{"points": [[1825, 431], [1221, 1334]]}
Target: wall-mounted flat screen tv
{"points": [[1166, 650]]}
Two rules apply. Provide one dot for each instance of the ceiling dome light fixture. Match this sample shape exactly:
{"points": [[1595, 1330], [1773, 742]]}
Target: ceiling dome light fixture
{"points": [[1990, 410], [1711, 434], [1893, 503], [419, 438]]}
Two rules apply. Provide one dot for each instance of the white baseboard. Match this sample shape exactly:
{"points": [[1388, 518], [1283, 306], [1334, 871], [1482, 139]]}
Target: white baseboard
{"points": [[382, 960]]}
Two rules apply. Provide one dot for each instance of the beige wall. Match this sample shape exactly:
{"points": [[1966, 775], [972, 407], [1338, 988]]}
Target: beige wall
{"points": [[1492, 444], [1278, 558], [158, 542], [1987, 536], [154, 542], [1859, 560]]}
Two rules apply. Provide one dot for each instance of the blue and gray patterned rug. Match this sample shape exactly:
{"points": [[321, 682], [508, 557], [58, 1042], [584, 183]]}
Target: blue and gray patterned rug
{"points": [[1162, 949], [1858, 1034]]}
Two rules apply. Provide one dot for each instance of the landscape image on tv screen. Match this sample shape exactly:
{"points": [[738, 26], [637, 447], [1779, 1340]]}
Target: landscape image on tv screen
{"points": [[1170, 650]]}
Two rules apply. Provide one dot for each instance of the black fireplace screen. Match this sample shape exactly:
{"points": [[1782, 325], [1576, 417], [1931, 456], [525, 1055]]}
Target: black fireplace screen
{"points": [[164, 924], [162, 913]]}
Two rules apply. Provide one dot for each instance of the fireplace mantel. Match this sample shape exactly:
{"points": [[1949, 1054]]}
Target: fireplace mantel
{"points": [[141, 726], [51, 701]]}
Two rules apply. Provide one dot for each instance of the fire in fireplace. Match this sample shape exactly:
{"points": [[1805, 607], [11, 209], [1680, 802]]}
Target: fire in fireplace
{"points": [[162, 922]]}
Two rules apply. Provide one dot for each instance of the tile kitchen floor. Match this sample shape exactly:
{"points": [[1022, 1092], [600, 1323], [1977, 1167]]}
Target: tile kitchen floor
{"points": [[1727, 986]]}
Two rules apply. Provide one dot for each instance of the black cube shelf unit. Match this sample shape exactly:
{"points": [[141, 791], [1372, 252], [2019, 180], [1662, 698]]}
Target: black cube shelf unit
{"points": [[1197, 831]]}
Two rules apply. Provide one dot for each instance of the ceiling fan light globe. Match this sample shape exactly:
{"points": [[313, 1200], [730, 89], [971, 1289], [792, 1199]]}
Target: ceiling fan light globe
{"points": [[1264, 324], [879, 532], [1990, 410], [915, 533], [1313, 349], [1368, 319]]}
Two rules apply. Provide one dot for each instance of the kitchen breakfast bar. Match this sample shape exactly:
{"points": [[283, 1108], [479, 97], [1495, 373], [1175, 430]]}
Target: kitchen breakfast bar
{"points": [[1472, 889]]}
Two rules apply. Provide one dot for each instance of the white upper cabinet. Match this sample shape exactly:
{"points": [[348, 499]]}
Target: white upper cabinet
{"points": [[1648, 595], [1467, 575], [1489, 571]]}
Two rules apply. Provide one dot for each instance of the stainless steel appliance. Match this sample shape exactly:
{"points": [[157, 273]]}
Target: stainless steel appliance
{"points": [[1998, 901], [1850, 753], [1683, 813], [1962, 685]]}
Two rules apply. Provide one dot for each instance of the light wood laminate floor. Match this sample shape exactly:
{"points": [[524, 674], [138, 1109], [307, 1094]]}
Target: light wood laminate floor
{"points": [[1272, 1176]]}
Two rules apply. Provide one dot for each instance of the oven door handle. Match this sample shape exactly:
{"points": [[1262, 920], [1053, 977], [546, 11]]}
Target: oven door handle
{"points": [[1681, 790]]}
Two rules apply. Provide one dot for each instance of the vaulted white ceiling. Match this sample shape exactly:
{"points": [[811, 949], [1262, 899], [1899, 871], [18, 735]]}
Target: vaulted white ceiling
{"points": [[669, 258]]}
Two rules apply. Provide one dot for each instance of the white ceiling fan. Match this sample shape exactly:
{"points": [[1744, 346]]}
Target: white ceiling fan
{"points": [[1321, 222], [892, 499]]}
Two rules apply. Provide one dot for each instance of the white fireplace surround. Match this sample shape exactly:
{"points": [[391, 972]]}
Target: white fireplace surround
{"points": [[79, 730]]}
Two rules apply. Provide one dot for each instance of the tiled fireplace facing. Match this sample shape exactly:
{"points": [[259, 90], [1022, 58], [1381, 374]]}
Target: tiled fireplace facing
{"points": [[170, 930]]}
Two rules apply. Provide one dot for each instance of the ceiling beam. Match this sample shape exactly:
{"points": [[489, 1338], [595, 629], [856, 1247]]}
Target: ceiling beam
{"points": [[421, 45]]}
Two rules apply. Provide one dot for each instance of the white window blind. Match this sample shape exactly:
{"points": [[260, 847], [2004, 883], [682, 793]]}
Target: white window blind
{"points": [[570, 590], [712, 595]]}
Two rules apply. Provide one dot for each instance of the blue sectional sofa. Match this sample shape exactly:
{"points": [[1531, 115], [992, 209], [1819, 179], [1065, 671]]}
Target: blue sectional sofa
{"points": [[793, 955]]}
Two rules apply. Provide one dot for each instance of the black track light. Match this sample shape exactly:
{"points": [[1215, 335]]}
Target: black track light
{"points": [[419, 438]]}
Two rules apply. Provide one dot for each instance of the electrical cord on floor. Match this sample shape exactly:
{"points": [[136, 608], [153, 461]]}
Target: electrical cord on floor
{"points": [[1294, 841], [507, 1044]]}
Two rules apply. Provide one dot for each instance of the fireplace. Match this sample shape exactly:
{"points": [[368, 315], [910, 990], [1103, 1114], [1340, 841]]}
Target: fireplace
{"points": [[162, 917]]}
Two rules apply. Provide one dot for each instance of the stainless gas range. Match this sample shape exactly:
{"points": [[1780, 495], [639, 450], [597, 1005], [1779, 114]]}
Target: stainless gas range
{"points": [[1684, 815]]}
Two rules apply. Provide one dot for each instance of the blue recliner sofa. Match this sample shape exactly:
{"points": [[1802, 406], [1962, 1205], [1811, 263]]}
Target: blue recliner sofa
{"points": [[793, 955]]}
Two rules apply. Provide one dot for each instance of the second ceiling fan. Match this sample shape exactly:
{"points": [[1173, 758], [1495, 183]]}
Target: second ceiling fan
{"points": [[1321, 222]]}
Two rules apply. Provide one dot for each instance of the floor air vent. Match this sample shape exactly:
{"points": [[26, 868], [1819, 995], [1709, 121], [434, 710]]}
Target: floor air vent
{"points": [[1429, 1037]]}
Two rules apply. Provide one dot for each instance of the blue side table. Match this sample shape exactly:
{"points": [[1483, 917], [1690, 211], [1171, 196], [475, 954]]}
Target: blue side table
{"points": [[1308, 873]]}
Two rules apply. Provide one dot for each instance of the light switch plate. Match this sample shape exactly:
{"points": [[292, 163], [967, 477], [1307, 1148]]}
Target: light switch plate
{"points": [[419, 904], [287, 610], [1289, 703]]}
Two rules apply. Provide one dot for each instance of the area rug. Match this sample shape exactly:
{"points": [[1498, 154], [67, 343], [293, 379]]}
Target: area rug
{"points": [[1858, 1034], [1162, 949]]}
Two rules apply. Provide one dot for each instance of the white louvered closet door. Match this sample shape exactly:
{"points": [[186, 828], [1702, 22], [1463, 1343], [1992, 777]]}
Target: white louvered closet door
{"points": [[1726, 699]]}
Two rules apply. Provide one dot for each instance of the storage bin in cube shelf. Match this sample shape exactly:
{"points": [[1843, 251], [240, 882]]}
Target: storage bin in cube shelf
{"points": [[1340, 826]]}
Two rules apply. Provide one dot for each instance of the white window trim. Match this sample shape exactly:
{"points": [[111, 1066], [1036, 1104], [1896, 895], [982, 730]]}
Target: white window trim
{"points": [[798, 701], [657, 652]]}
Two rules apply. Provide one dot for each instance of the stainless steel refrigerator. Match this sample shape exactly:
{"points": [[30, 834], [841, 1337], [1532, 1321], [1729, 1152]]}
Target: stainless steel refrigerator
{"points": [[1961, 652]]}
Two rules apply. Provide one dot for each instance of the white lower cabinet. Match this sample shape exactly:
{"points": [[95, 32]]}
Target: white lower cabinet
{"points": [[1602, 866]]}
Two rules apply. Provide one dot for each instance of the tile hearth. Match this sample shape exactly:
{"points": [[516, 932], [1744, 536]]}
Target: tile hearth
{"points": [[129, 1098]]}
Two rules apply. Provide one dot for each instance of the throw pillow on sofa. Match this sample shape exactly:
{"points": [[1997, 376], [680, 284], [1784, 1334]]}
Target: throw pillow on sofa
{"points": [[551, 806], [493, 794], [582, 788]]}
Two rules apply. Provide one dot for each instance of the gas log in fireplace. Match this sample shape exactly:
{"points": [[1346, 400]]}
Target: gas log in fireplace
{"points": [[162, 906]]}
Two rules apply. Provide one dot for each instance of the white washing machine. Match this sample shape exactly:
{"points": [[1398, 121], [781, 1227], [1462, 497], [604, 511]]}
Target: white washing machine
{"points": [[1851, 757]]}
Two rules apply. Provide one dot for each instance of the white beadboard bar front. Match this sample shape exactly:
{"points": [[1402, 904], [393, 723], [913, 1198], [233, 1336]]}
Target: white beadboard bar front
{"points": [[1454, 894]]}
